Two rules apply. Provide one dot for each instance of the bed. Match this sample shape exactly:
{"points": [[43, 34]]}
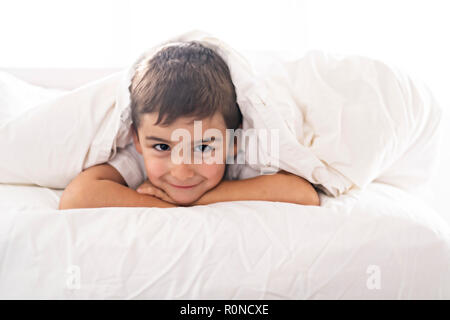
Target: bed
{"points": [[377, 243]]}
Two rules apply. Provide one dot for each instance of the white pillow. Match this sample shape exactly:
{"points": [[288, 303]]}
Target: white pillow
{"points": [[50, 142], [17, 96]]}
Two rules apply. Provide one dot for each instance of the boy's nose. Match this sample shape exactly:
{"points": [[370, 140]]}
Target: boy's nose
{"points": [[182, 172]]}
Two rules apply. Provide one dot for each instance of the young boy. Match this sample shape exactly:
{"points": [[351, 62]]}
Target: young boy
{"points": [[181, 83]]}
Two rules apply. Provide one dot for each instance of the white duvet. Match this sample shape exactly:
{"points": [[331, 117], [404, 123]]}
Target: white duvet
{"points": [[380, 243], [343, 122], [355, 127]]}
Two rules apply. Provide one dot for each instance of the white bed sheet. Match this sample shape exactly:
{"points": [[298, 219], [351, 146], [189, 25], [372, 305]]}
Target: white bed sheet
{"points": [[377, 244]]}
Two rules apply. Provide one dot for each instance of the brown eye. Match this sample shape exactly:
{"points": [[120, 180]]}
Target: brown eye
{"points": [[161, 147], [203, 148]]}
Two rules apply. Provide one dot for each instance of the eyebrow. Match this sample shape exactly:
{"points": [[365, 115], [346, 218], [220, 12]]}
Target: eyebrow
{"points": [[168, 141], [157, 139]]}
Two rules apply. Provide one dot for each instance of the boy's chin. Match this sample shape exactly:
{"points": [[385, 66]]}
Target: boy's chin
{"points": [[185, 200]]}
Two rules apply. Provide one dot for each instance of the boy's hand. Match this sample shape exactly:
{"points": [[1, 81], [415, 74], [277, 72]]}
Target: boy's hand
{"points": [[148, 188]]}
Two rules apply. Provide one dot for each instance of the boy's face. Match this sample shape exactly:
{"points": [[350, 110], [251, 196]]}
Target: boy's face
{"points": [[186, 180]]}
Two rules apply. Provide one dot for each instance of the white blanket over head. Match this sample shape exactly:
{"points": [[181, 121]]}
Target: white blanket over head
{"points": [[343, 121]]}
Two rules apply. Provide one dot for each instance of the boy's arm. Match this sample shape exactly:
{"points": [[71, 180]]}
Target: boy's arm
{"points": [[104, 186], [282, 187]]}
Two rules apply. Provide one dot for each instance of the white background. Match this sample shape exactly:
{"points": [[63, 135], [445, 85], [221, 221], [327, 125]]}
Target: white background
{"points": [[411, 34]]}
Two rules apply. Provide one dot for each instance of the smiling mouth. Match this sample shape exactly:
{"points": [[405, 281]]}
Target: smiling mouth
{"points": [[184, 187]]}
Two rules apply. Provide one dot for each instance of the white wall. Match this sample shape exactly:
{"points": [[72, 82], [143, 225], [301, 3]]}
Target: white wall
{"points": [[108, 33], [412, 34]]}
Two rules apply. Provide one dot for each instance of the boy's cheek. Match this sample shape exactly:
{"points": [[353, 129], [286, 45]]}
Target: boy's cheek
{"points": [[155, 168], [213, 172]]}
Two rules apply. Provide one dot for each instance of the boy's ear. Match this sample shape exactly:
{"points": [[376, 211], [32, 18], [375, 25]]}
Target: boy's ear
{"points": [[136, 140]]}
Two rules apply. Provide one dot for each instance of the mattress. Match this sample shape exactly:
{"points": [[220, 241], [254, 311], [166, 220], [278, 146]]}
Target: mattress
{"points": [[376, 243], [380, 243]]}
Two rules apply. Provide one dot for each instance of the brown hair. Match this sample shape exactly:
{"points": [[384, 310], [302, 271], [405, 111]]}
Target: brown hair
{"points": [[184, 79]]}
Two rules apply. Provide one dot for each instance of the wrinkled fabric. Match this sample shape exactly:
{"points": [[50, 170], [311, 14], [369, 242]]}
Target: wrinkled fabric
{"points": [[380, 243]]}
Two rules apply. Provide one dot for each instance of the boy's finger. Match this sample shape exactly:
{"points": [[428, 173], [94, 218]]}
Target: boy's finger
{"points": [[154, 192], [163, 196], [146, 190]]}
